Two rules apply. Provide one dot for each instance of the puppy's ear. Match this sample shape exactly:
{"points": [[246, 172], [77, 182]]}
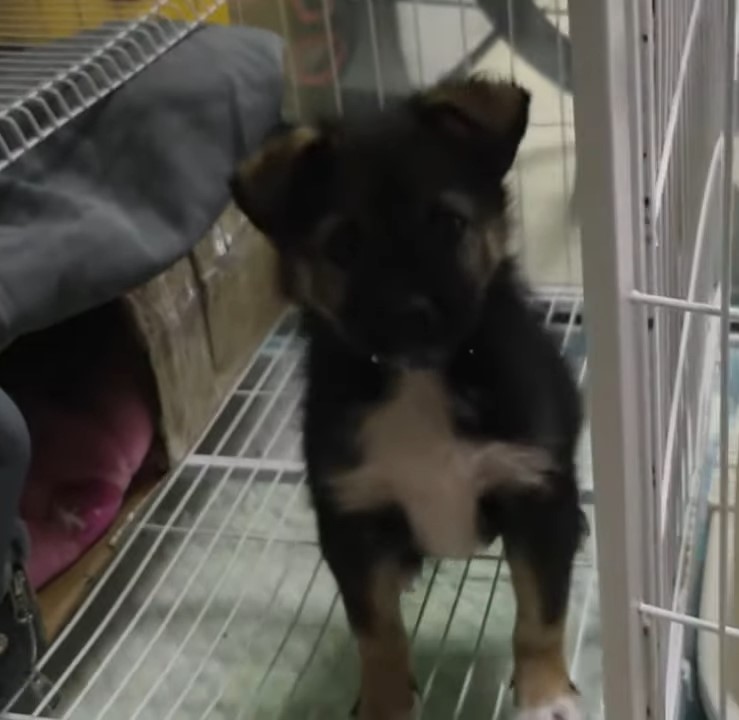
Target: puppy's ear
{"points": [[492, 114], [284, 189]]}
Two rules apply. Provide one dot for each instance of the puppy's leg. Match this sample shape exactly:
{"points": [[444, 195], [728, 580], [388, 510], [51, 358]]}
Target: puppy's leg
{"points": [[540, 549], [387, 686], [371, 588]]}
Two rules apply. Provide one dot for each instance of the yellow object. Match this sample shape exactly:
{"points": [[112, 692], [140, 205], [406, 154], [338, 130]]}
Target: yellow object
{"points": [[47, 20]]}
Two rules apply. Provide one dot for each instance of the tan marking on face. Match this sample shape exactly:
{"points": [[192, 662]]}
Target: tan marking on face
{"points": [[460, 203], [482, 248], [540, 674], [496, 240], [386, 675], [279, 150], [313, 280], [476, 257], [412, 458], [316, 285]]}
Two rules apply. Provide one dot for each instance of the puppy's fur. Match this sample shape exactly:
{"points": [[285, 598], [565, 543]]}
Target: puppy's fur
{"points": [[439, 414]]}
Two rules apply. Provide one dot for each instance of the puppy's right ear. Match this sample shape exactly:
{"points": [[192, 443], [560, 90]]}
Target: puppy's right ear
{"points": [[285, 188], [492, 115]]}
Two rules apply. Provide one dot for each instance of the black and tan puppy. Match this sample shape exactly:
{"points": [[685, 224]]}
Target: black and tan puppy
{"points": [[439, 414]]}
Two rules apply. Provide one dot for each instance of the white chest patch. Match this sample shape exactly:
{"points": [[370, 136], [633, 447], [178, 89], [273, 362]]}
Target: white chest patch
{"points": [[412, 458]]}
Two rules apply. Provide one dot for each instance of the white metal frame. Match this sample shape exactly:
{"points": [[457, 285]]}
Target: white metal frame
{"points": [[606, 121]]}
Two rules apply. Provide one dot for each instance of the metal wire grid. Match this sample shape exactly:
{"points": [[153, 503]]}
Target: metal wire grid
{"points": [[671, 118], [218, 604], [45, 81]]}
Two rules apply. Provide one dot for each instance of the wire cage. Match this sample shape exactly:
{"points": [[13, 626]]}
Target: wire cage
{"points": [[174, 629]]}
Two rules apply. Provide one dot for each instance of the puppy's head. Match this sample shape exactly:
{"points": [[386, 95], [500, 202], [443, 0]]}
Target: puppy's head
{"points": [[392, 230]]}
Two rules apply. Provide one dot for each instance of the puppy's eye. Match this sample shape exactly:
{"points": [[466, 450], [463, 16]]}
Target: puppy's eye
{"points": [[341, 245], [446, 222]]}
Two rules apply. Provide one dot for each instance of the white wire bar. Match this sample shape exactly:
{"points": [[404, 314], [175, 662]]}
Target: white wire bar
{"points": [[330, 40], [689, 621], [376, 53], [608, 117], [727, 233], [297, 110], [57, 59]]}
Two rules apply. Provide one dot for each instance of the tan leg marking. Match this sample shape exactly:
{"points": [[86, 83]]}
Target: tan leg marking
{"points": [[384, 650], [540, 673]]}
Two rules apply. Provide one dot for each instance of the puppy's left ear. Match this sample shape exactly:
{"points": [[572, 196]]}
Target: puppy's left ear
{"points": [[492, 114], [284, 188]]}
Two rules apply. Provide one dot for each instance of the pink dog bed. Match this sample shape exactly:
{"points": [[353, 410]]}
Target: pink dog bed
{"points": [[89, 413], [83, 462]]}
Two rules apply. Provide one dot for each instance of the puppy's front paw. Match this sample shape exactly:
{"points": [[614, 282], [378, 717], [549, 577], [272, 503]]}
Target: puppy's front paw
{"points": [[413, 713], [566, 707]]}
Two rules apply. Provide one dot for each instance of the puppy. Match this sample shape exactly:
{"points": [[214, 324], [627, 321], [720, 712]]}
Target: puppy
{"points": [[439, 414]]}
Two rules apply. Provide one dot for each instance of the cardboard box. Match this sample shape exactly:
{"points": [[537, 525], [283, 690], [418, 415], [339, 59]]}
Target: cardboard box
{"points": [[201, 321]]}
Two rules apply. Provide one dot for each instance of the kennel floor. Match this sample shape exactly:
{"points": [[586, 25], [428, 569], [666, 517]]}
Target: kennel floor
{"points": [[218, 604]]}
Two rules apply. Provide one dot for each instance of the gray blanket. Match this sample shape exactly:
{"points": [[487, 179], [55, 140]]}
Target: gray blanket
{"points": [[126, 189]]}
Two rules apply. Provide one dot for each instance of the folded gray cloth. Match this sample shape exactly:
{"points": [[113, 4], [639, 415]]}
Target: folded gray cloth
{"points": [[123, 191]]}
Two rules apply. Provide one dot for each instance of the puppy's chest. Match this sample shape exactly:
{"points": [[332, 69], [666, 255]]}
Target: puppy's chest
{"points": [[412, 458]]}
